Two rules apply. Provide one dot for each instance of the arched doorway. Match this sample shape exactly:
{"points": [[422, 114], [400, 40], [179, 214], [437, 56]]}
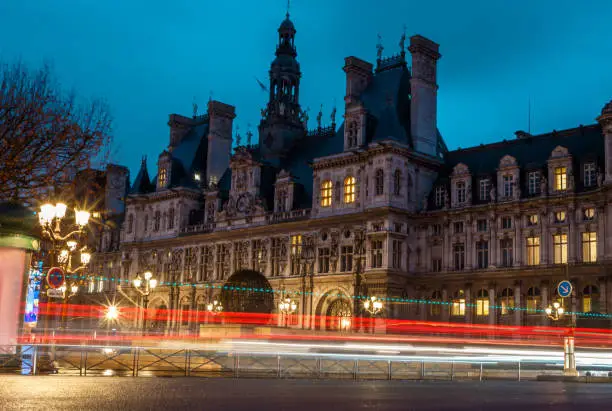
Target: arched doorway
{"points": [[247, 291], [339, 315]]}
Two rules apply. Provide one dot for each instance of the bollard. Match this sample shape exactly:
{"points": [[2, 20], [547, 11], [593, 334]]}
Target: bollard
{"points": [[389, 370], [452, 370], [278, 366], [519, 370], [422, 370], [480, 377]]}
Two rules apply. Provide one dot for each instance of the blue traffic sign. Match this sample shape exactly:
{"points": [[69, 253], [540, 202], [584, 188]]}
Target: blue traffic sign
{"points": [[564, 288]]}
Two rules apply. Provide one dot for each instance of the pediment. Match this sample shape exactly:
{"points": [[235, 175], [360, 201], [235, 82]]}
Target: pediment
{"points": [[559, 152], [507, 161], [460, 169]]}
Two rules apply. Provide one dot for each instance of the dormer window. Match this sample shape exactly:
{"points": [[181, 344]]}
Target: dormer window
{"points": [[460, 192], [196, 177], [560, 178], [162, 179], [326, 193], [484, 189], [590, 174], [533, 182], [439, 196], [349, 190], [508, 185], [212, 181]]}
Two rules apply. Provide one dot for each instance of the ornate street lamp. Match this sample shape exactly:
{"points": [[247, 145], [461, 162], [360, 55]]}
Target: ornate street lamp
{"points": [[308, 258], [215, 307], [374, 305], [555, 312], [287, 306], [144, 287]]}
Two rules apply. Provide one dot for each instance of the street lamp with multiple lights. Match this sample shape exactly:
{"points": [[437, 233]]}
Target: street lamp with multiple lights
{"points": [[144, 286], [287, 307], [215, 307], [554, 311], [374, 305]]}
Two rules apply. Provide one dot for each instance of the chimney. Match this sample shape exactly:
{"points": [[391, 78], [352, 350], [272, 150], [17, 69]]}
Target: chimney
{"points": [[424, 90], [221, 117], [358, 75]]}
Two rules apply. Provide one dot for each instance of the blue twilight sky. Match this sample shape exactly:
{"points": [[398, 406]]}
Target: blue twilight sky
{"points": [[150, 58]]}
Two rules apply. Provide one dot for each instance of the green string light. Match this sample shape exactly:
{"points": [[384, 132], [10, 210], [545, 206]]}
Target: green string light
{"points": [[353, 297]]}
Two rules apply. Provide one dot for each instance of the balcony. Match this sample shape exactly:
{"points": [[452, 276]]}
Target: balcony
{"points": [[199, 228], [281, 217]]}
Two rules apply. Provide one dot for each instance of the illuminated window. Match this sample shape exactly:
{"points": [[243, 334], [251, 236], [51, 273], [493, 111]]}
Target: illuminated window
{"points": [[590, 175], [296, 246], [589, 214], [533, 219], [533, 250], [507, 301], [590, 299], [482, 303], [326, 193], [560, 248], [560, 178], [560, 216], [458, 304], [349, 190], [436, 307], [379, 182], [533, 299], [460, 192], [589, 247], [162, 179]]}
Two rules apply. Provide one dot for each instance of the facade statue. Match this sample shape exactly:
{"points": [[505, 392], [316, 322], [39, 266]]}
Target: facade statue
{"points": [[492, 193], [543, 186]]}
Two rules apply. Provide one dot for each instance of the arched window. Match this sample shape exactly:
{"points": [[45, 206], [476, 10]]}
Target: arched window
{"points": [[458, 307], [397, 180], [130, 224], [379, 182], [162, 179], [349, 190], [507, 301], [326, 193], [436, 300], [590, 299], [171, 219], [156, 221], [482, 303], [534, 298]]}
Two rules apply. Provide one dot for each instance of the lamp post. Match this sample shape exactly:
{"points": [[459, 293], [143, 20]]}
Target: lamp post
{"points": [[215, 307], [556, 312], [374, 306], [65, 244], [287, 307], [144, 286]]}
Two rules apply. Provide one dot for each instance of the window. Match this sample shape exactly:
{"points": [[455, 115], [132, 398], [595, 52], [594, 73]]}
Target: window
{"points": [[379, 182], [589, 214], [482, 303], [533, 250], [560, 217], [507, 301], [101, 284], [185, 315], [156, 221], [439, 196], [589, 247], [323, 260], [377, 253], [171, 219], [482, 253], [436, 229], [560, 248], [346, 258], [533, 300], [508, 185], [560, 178], [485, 189], [459, 256], [349, 190], [533, 219], [533, 182], [397, 180], [590, 299], [162, 179], [326, 193], [436, 265], [296, 253], [458, 227], [436, 299], [276, 250], [397, 227], [458, 305], [505, 245], [351, 140], [146, 223], [460, 192], [397, 254], [130, 225], [258, 260], [206, 264], [506, 223], [222, 261], [590, 175], [481, 225]]}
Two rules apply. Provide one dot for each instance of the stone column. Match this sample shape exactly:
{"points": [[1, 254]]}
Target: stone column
{"points": [[447, 252], [518, 242], [470, 248], [572, 238], [517, 304], [603, 300], [492, 311], [544, 289], [545, 241], [601, 233], [445, 307], [469, 310], [493, 260]]}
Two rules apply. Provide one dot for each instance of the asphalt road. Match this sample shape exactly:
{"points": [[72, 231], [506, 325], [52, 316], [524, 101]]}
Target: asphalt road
{"points": [[117, 394]]}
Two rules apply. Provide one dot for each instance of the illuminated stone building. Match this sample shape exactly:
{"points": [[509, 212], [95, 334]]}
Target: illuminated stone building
{"points": [[374, 206]]}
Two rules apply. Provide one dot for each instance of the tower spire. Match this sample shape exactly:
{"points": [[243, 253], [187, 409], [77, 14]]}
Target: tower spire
{"points": [[288, 7]]}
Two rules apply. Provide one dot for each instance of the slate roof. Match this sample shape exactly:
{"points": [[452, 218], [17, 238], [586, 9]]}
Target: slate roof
{"points": [[584, 143], [142, 182]]}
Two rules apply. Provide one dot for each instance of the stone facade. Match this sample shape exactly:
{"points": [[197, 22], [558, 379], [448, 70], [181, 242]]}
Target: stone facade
{"points": [[378, 207]]}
